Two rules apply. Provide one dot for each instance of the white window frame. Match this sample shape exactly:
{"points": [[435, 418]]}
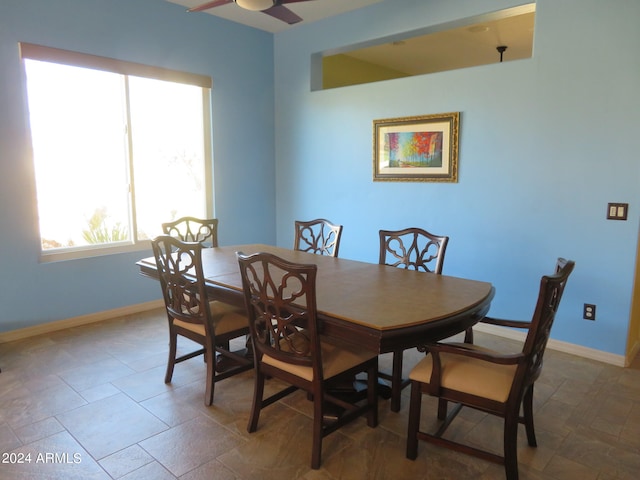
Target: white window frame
{"points": [[66, 57]]}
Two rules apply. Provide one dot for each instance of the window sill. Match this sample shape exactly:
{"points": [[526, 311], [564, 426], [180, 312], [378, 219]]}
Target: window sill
{"points": [[63, 254]]}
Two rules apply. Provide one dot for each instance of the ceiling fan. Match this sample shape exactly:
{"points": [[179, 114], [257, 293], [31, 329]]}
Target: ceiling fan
{"points": [[275, 8]]}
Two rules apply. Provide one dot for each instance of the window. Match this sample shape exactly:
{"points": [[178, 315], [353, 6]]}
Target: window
{"points": [[118, 149]]}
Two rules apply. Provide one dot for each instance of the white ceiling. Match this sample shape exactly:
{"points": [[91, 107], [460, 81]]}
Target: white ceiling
{"points": [[310, 11]]}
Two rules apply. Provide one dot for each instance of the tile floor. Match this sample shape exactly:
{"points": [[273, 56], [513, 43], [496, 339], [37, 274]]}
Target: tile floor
{"points": [[90, 403]]}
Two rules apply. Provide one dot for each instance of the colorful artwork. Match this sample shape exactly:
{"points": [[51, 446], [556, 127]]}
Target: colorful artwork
{"points": [[421, 148], [417, 149]]}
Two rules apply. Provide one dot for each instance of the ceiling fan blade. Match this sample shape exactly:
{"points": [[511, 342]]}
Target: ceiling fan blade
{"points": [[293, 1], [208, 5], [283, 13]]}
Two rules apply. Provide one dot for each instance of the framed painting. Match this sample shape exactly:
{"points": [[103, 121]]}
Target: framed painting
{"points": [[418, 149]]}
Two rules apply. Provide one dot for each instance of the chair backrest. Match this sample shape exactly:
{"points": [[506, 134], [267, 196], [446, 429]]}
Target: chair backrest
{"points": [[191, 229], [318, 236], [413, 249], [551, 290], [280, 298], [182, 280]]}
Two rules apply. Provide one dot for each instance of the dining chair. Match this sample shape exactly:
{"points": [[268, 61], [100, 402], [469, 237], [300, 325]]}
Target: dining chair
{"points": [[280, 298], [191, 229], [317, 236], [486, 380], [211, 324], [205, 232], [413, 249]]}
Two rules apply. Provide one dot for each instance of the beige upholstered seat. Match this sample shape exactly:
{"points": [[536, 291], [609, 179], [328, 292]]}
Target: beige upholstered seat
{"points": [[281, 303], [468, 375], [337, 357], [190, 314], [226, 319], [495, 383]]}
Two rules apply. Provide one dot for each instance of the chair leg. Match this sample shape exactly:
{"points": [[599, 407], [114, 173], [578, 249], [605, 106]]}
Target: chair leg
{"points": [[210, 358], [527, 405], [172, 356], [396, 380], [257, 401], [415, 405], [318, 414], [442, 408], [511, 446], [372, 396], [468, 335]]}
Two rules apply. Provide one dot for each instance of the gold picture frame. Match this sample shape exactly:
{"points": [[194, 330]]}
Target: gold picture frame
{"points": [[416, 149]]}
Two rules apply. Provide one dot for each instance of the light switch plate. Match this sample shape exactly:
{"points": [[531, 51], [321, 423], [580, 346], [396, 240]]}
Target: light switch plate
{"points": [[617, 211]]}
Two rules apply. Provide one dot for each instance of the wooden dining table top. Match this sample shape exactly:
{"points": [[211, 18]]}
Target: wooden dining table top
{"points": [[378, 306]]}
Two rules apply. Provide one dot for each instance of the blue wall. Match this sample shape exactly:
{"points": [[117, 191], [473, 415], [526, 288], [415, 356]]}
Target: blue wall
{"points": [[545, 144], [153, 32]]}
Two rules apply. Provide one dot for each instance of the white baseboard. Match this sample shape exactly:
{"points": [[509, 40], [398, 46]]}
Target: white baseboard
{"points": [[593, 354], [77, 321], [571, 348]]}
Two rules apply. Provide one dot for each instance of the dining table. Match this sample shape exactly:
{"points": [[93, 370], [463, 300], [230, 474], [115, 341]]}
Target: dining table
{"points": [[379, 307]]}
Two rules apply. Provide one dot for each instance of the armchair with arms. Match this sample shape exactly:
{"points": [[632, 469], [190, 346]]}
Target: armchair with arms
{"points": [[495, 383]]}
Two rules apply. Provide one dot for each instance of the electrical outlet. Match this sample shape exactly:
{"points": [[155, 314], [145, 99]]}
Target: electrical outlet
{"points": [[589, 311]]}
